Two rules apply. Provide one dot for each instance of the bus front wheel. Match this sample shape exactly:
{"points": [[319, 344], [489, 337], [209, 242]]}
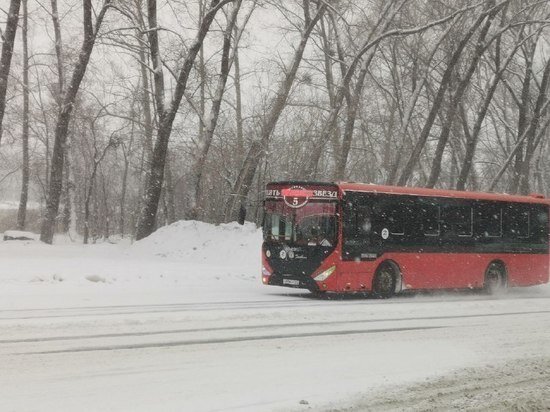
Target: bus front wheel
{"points": [[495, 279], [385, 280]]}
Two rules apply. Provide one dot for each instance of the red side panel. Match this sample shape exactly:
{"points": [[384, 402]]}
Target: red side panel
{"points": [[445, 270]]}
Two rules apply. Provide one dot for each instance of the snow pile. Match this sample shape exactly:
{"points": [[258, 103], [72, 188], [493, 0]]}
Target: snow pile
{"points": [[185, 261], [199, 242], [20, 235]]}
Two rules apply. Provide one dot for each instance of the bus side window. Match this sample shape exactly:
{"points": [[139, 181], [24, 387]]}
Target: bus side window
{"points": [[429, 219], [457, 221], [539, 226], [518, 222], [488, 219], [364, 222], [357, 223], [395, 216]]}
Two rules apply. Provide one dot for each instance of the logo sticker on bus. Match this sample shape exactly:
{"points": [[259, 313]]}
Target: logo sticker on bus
{"points": [[296, 196], [385, 233]]}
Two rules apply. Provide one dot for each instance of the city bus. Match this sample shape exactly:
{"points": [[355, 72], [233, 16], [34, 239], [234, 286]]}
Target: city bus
{"points": [[382, 240]]}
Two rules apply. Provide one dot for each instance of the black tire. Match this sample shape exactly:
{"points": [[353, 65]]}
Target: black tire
{"points": [[495, 281], [385, 280]]}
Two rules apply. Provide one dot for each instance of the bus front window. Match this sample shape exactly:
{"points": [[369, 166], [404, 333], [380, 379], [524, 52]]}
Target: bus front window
{"points": [[316, 230], [311, 225]]}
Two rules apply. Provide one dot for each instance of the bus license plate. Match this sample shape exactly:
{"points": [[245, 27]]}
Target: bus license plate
{"points": [[292, 282]]}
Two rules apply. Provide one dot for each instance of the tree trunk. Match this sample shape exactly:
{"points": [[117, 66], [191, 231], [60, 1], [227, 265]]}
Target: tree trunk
{"points": [[71, 195], [344, 91], [335, 136], [353, 106], [122, 216], [58, 51], [238, 107], [22, 212], [8, 38], [208, 135], [145, 89], [98, 158], [69, 187], [522, 118], [169, 194], [126, 153], [367, 46], [237, 200], [202, 78], [64, 117], [87, 200], [456, 99], [472, 140], [153, 189], [418, 86], [342, 159], [531, 141], [406, 173], [519, 144]]}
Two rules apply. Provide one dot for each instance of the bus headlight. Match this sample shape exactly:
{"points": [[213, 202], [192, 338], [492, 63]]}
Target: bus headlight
{"points": [[265, 272], [324, 275]]}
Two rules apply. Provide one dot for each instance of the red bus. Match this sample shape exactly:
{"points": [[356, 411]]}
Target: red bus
{"points": [[350, 237]]}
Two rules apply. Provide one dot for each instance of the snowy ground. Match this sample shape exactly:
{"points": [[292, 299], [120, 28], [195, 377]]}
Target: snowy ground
{"points": [[180, 321]]}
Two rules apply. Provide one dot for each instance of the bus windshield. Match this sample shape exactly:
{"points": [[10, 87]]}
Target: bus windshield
{"points": [[311, 225]]}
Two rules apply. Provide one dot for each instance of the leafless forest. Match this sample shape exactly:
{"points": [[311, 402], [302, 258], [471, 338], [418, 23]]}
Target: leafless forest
{"points": [[119, 116]]}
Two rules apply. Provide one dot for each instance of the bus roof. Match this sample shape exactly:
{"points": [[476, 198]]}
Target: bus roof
{"points": [[417, 191], [420, 191]]}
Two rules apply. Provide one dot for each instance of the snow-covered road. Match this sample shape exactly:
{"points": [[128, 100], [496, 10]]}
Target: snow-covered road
{"points": [[277, 353], [109, 327]]}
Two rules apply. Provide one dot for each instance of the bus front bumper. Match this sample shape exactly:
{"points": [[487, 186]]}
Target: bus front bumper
{"points": [[290, 281]]}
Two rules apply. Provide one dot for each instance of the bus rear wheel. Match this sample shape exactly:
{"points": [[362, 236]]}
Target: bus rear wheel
{"points": [[495, 279], [385, 280]]}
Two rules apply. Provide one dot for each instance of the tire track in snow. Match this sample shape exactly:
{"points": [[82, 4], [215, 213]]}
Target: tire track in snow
{"points": [[213, 306], [227, 340], [264, 326]]}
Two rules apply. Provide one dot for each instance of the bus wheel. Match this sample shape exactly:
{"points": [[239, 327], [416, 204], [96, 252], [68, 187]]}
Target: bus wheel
{"points": [[495, 279], [385, 278]]}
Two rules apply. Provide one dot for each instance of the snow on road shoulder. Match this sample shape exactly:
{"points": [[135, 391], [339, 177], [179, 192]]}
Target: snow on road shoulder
{"points": [[198, 242], [187, 260], [514, 385]]}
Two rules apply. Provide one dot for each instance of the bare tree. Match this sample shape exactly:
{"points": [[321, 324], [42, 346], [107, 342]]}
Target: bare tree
{"points": [[8, 38], [480, 47], [374, 38], [532, 140], [166, 116], [236, 203], [443, 85], [208, 133], [25, 168], [98, 155], [472, 137], [62, 126], [58, 50]]}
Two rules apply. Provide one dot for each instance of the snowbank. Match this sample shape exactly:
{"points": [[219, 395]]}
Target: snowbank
{"points": [[19, 235], [198, 242], [187, 260]]}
